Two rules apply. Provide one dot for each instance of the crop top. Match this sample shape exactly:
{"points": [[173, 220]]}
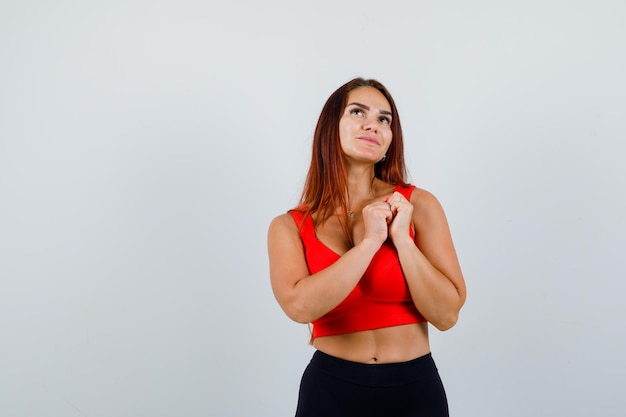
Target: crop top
{"points": [[380, 299]]}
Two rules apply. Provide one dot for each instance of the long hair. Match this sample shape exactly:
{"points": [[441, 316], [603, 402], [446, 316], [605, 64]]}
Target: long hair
{"points": [[326, 185]]}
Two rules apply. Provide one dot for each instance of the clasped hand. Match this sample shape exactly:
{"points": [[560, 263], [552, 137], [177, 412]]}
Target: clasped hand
{"points": [[388, 218]]}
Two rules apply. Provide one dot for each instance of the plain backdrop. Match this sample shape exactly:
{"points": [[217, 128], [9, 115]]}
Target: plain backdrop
{"points": [[146, 145]]}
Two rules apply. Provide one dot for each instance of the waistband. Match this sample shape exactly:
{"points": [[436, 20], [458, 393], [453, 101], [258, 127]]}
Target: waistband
{"points": [[385, 374]]}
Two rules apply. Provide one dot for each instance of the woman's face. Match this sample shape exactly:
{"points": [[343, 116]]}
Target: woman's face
{"points": [[365, 126]]}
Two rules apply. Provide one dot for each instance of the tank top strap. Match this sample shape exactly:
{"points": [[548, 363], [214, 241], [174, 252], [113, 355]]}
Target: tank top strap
{"points": [[405, 191], [304, 223]]}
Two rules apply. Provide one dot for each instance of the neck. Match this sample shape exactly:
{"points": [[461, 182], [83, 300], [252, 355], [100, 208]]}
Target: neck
{"points": [[361, 184]]}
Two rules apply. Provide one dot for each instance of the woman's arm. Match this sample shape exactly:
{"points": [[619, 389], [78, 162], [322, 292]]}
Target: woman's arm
{"points": [[305, 297], [429, 262]]}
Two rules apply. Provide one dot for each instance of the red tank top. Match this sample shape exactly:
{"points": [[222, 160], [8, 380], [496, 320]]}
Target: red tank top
{"points": [[380, 299]]}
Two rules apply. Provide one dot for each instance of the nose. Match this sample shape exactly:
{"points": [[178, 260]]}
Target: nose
{"points": [[370, 124]]}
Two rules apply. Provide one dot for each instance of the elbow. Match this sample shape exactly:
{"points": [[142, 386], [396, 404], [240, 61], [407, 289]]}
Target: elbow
{"points": [[297, 307], [446, 318], [299, 313], [449, 319], [299, 318], [446, 322]]}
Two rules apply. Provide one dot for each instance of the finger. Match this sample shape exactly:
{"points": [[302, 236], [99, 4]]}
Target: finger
{"points": [[389, 201], [389, 217], [393, 206]]}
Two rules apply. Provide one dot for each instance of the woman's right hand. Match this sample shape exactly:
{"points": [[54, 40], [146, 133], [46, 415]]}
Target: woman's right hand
{"points": [[376, 219]]}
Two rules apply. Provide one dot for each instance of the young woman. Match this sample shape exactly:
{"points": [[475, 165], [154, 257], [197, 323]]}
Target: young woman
{"points": [[368, 260]]}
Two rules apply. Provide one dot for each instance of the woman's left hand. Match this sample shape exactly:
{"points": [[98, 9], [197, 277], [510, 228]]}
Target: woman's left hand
{"points": [[402, 211]]}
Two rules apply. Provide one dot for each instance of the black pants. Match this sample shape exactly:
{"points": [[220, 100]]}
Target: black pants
{"points": [[333, 387]]}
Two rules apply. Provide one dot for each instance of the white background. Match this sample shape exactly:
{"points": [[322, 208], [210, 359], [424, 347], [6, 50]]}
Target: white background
{"points": [[146, 145]]}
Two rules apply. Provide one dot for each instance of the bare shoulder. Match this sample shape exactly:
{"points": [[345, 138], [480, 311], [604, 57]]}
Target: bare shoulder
{"points": [[429, 217], [284, 243], [282, 220], [425, 203], [283, 228], [283, 223], [433, 236], [286, 256]]}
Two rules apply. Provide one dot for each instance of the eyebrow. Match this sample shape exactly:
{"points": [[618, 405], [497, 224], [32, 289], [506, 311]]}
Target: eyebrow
{"points": [[368, 108]]}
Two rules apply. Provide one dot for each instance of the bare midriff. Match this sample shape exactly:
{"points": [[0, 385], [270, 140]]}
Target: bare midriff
{"points": [[386, 345]]}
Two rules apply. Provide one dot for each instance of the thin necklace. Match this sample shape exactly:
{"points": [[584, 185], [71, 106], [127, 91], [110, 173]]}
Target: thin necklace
{"points": [[351, 213]]}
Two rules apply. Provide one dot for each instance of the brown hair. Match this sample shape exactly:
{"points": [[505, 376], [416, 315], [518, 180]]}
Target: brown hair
{"points": [[326, 184]]}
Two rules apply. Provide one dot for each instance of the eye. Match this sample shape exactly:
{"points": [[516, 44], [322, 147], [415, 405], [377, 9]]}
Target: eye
{"points": [[385, 120], [356, 111]]}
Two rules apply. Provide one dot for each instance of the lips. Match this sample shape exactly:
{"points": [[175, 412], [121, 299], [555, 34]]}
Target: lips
{"points": [[370, 139]]}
